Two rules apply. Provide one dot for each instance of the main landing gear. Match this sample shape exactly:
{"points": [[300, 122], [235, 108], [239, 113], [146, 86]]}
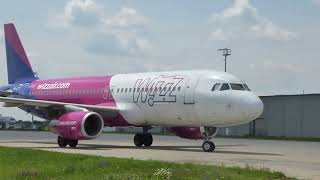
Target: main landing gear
{"points": [[63, 142], [208, 145], [144, 138]]}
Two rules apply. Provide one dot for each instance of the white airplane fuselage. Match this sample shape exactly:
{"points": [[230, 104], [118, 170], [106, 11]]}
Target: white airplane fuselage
{"points": [[185, 99]]}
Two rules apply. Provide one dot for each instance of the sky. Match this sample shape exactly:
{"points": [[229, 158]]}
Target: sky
{"points": [[275, 44]]}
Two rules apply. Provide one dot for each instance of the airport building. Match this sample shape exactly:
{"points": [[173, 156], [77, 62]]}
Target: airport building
{"points": [[7, 122], [284, 115]]}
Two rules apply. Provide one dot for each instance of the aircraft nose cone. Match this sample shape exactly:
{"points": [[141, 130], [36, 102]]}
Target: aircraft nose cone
{"points": [[255, 107]]}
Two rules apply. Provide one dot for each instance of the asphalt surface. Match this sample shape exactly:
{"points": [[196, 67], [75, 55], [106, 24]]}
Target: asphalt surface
{"points": [[298, 159]]}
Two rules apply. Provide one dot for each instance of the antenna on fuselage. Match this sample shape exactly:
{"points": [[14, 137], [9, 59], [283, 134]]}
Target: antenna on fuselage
{"points": [[225, 52]]}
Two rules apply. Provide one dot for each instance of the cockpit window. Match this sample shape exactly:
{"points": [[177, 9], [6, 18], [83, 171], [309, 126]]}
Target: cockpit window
{"points": [[247, 88], [216, 87], [224, 86], [238, 87]]}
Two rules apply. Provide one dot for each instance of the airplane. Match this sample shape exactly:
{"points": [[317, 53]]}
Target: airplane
{"points": [[191, 104]]}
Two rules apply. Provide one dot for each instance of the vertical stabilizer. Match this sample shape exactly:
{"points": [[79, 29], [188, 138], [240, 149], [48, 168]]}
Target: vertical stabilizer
{"points": [[18, 65]]}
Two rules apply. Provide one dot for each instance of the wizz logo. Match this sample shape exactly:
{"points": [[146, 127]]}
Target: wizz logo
{"points": [[160, 89]]}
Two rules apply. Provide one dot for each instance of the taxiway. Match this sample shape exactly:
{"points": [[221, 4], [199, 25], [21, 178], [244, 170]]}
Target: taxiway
{"points": [[298, 159]]}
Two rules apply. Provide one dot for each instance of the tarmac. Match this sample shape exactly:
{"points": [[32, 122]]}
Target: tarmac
{"points": [[295, 159]]}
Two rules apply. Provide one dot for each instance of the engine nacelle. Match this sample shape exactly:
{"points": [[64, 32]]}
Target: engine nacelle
{"points": [[78, 125], [194, 132]]}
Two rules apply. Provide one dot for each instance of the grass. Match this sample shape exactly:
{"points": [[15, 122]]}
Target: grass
{"points": [[19, 163]]}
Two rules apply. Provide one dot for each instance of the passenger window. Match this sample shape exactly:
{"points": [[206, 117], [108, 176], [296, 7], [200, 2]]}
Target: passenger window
{"points": [[238, 87], [129, 89], [247, 88], [224, 86], [179, 88], [126, 90], [216, 87]]}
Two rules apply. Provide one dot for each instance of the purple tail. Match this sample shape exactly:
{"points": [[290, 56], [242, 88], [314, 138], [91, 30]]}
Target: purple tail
{"points": [[18, 65]]}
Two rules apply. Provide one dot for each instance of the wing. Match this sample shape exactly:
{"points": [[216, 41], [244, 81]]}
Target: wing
{"points": [[60, 107]]}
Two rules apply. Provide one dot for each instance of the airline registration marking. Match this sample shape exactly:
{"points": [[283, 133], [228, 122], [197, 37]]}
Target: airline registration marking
{"points": [[159, 89]]}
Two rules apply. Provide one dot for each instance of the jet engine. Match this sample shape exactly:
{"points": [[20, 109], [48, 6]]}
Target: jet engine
{"points": [[78, 125], [194, 132]]}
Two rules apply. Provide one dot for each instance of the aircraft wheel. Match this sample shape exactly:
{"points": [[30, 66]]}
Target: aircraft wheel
{"points": [[147, 139], [62, 142], [73, 142], [208, 146], [138, 139]]}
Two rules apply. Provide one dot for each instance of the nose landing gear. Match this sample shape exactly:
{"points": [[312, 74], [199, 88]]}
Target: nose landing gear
{"points": [[208, 146], [209, 133]]}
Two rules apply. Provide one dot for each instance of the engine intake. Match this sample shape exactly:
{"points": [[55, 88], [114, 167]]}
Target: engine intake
{"points": [[78, 125]]}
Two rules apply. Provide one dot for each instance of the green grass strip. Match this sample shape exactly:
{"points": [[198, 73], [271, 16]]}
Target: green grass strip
{"points": [[21, 163]]}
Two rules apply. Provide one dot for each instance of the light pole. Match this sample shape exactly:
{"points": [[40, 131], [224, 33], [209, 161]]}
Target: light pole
{"points": [[225, 52]]}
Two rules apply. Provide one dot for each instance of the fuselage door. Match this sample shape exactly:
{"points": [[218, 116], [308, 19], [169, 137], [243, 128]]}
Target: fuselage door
{"points": [[190, 88], [106, 93]]}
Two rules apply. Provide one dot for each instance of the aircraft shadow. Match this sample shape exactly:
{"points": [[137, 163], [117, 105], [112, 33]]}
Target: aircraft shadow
{"points": [[220, 149]]}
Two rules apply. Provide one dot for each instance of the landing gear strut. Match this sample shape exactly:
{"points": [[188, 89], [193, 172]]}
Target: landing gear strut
{"points": [[63, 142], [144, 138], [208, 145]]}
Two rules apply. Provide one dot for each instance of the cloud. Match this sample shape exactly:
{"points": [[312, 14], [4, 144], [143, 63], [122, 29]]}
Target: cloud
{"points": [[120, 34], [32, 54], [117, 44], [77, 12], [126, 18], [125, 33], [282, 66], [266, 29], [244, 19], [316, 2], [220, 34], [238, 8]]}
